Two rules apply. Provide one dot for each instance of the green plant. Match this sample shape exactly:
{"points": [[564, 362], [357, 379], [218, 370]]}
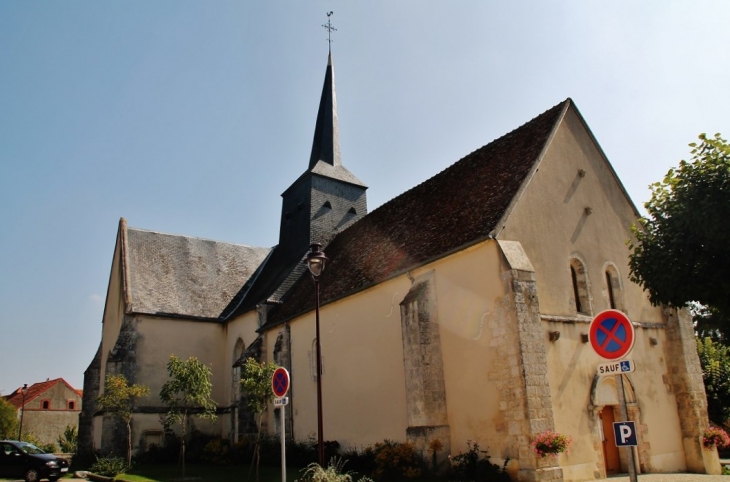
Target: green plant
{"points": [[217, 452], [69, 439], [109, 466], [8, 420], [395, 461], [189, 388], [333, 473], [675, 258], [256, 386], [715, 437], [551, 443], [472, 465], [715, 362], [119, 398]]}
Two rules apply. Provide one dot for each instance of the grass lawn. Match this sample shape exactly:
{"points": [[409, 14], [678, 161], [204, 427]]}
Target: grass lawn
{"points": [[205, 473]]}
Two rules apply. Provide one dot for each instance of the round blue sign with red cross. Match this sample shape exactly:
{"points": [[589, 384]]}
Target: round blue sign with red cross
{"points": [[280, 382], [611, 334]]}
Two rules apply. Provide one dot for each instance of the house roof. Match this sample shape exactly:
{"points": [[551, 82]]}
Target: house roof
{"points": [[36, 390], [458, 207], [173, 275]]}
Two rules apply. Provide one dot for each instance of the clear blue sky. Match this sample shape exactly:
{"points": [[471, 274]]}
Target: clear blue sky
{"points": [[192, 117]]}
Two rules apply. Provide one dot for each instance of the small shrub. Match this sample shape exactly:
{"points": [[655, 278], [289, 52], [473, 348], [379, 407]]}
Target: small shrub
{"points": [[471, 466], [109, 466], [395, 461], [217, 452], [333, 473], [69, 439]]}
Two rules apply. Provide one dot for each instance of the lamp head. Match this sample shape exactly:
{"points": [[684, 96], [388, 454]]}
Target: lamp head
{"points": [[24, 389], [316, 260]]}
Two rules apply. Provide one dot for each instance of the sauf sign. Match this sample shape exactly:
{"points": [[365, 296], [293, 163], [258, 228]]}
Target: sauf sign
{"points": [[616, 368]]}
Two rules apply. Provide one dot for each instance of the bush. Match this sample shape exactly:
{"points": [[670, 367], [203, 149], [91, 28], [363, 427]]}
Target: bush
{"points": [[217, 452], [109, 466], [471, 466], [69, 440], [333, 473], [395, 461]]}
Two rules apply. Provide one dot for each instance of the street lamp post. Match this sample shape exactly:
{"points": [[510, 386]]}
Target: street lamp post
{"points": [[24, 391], [316, 261]]}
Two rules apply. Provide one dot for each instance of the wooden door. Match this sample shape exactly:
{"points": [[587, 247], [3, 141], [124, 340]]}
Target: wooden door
{"points": [[610, 450]]}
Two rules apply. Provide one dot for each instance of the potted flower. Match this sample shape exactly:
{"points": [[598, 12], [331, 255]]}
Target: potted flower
{"points": [[715, 437], [551, 443]]}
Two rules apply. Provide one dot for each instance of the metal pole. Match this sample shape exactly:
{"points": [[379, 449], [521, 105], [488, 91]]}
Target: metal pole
{"points": [[625, 418], [283, 443], [22, 412], [320, 436]]}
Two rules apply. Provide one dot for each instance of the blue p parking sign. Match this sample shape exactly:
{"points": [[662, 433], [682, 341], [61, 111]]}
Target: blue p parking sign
{"points": [[625, 434]]}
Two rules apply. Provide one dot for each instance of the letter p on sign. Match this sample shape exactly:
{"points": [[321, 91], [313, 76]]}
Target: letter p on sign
{"points": [[625, 434]]}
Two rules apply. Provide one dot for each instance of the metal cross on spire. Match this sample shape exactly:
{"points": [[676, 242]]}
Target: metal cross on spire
{"points": [[328, 26]]}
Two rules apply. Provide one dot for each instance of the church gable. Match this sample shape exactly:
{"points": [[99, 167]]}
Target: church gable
{"points": [[184, 276]]}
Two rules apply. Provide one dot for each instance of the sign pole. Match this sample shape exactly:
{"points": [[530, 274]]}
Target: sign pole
{"points": [[625, 417], [283, 444], [280, 385]]}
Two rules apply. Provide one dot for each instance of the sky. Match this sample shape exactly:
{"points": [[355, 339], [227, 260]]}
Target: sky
{"points": [[191, 117]]}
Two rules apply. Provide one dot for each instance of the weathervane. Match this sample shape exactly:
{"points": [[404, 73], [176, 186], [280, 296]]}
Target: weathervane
{"points": [[328, 26]]}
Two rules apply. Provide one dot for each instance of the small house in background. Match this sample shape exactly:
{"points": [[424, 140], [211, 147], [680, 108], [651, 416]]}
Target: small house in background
{"points": [[48, 408]]}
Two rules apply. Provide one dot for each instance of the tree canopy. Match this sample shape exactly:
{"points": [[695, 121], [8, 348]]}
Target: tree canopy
{"points": [[119, 398], [8, 420], [682, 249], [187, 390], [256, 386]]}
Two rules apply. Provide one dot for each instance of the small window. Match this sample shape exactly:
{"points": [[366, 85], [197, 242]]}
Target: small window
{"points": [[45, 404], [352, 211], [580, 287], [327, 205], [613, 289], [71, 405]]}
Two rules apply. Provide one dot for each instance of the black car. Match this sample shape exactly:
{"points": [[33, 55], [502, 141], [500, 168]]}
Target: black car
{"points": [[23, 460]]}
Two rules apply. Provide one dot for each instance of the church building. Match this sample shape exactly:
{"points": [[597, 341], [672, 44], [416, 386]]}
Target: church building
{"points": [[457, 311]]}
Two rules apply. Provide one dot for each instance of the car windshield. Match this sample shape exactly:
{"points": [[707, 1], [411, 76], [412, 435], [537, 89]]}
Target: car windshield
{"points": [[30, 449]]}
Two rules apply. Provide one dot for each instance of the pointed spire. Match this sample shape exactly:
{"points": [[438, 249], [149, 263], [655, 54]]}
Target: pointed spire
{"points": [[326, 144]]}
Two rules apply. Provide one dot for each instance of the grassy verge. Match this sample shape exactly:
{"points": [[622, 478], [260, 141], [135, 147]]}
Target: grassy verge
{"points": [[205, 473]]}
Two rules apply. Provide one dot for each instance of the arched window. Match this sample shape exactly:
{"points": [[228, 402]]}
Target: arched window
{"points": [[236, 375], [45, 404], [613, 288], [71, 405], [580, 287]]}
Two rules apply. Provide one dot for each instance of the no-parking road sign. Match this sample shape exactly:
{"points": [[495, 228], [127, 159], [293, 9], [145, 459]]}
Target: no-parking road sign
{"points": [[611, 334], [280, 382]]}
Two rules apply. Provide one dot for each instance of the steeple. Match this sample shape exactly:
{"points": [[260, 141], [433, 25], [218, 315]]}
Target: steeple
{"points": [[326, 144]]}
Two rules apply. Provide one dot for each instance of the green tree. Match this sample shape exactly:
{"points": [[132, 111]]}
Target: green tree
{"points": [[715, 361], [8, 420], [188, 391], [70, 439], [682, 248], [119, 398], [256, 385]]}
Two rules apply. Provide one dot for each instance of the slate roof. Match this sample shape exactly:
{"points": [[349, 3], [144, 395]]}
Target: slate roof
{"points": [[35, 390], [456, 208], [183, 276]]}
